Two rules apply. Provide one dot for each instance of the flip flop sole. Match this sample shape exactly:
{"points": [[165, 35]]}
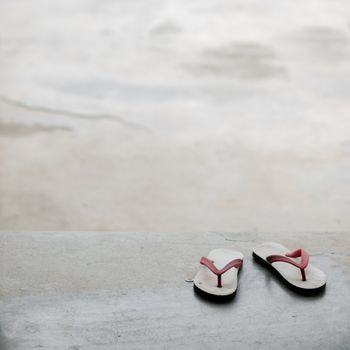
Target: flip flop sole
{"points": [[296, 289], [213, 297], [205, 282]]}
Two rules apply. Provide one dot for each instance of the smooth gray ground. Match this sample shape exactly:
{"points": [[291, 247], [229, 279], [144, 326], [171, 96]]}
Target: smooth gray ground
{"points": [[175, 115], [92, 291]]}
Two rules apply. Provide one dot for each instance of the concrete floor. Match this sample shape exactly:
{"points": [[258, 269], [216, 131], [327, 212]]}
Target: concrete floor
{"points": [[88, 291], [174, 115]]}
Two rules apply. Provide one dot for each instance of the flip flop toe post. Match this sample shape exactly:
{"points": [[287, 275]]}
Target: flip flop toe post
{"points": [[291, 267], [218, 275]]}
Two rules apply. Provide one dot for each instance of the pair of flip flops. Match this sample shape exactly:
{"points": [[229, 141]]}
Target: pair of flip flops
{"points": [[219, 274]]}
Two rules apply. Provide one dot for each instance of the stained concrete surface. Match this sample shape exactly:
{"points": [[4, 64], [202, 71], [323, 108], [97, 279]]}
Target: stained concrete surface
{"points": [[98, 290], [166, 115]]}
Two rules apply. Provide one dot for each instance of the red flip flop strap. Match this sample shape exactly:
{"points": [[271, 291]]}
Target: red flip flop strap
{"points": [[210, 265], [304, 261], [294, 254], [300, 253]]}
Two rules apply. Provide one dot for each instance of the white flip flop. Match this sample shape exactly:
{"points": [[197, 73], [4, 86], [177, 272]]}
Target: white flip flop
{"points": [[219, 274], [297, 275]]}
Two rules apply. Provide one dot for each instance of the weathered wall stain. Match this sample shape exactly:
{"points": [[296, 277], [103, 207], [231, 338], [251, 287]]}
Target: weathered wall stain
{"points": [[20, 129], [243, 60], [322, 44]]}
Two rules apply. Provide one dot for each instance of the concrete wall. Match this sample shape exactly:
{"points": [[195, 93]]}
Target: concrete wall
{"points": [[175, 115]]}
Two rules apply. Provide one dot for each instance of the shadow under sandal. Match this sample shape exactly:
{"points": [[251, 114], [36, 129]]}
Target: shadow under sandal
{"points": [[218, 276], [298, 275]]}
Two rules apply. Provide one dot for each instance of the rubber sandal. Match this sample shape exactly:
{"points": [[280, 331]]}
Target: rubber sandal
{"points": [[218, 275], [296, 274]]}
